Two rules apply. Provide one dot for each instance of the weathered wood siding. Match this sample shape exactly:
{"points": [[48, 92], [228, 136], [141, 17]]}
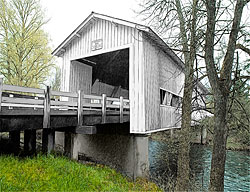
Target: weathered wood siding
{"points": [[152, 86], [160, 72], [114, 36], [170, 117], [82, 73], [171, 77]]}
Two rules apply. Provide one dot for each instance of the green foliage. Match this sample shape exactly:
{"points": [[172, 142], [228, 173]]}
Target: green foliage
{"points": [[239, 117], [25, 57], [239, 110], [56, 82], [49, 173]]}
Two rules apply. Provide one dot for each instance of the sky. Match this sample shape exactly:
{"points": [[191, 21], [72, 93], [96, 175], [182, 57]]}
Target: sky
{"points": [[65, 15]]}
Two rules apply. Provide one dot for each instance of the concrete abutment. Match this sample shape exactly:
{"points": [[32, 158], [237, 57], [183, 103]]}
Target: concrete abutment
{"points": [[127, 153]]}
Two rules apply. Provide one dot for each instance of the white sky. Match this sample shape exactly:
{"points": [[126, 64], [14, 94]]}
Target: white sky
{"points": [[66, 15]]}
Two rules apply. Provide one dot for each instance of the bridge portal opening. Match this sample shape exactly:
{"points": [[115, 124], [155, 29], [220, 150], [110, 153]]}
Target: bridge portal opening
{"points": [[110, 73]]}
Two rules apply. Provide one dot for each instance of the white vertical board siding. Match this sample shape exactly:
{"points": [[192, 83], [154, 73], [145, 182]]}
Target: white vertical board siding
{"points": [[169, 117], [171, 79], [171, 76], [112, 34], [151, 86], [160, 72], [136, 84], [80, 73], [66, 70]]}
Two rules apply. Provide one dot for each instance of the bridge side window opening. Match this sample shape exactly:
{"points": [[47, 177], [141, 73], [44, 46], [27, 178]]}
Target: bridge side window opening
{"points": [[169, 99]]}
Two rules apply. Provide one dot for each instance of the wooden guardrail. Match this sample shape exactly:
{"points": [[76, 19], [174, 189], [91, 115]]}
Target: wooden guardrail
{"points": [[42, 99]]}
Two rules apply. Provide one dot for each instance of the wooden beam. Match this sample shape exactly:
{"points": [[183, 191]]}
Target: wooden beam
{"points": [[78, 35], [1, 90], [87, 130], [25, 112], [121, 109], [88, 62], [80, 108], [22, 89], [95, 120], [115, 90], [12, 99], [48, 140], [64, 94], [104, 105]]}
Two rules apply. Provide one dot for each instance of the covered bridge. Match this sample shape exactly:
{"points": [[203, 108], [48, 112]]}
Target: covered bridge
{"points": [[121, 58]]}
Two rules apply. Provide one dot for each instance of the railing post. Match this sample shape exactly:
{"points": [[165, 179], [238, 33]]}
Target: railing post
{"points": [[11, 96], [79, 108], [1, 90], [48, 140], [121, 109], [36, 98], [104, 104], [46, 115]]}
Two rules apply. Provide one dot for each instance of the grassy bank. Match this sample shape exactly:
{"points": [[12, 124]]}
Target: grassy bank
{"points": [[51, 173], [233, 144]]}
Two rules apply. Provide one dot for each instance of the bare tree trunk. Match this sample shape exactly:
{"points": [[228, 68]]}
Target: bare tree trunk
{"points": [[183, 171], [219, 143], [221, 87], [184, 139]]}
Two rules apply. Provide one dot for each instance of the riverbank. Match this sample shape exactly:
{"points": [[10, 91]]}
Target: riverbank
{"points": [[50, 173], [232, 143]]}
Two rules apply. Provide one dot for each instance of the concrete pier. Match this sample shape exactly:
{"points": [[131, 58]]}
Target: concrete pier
{"points": [[30, 141], [14, 137], [127, 153]]}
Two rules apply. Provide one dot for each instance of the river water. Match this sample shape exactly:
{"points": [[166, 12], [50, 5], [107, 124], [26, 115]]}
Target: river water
{"points": [[162, 158]]}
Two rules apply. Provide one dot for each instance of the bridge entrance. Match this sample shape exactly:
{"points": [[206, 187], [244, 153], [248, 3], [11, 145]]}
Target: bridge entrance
{"points": [[106, 73]]}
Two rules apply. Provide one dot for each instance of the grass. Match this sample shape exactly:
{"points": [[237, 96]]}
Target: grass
{"points": [[50, 173]]}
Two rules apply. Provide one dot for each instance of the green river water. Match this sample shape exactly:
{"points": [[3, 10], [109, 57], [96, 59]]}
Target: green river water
{"points": [[163, 164]]}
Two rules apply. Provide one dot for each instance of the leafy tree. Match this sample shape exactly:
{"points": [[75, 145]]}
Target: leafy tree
{"points": [[56, 82], [24, 52]]}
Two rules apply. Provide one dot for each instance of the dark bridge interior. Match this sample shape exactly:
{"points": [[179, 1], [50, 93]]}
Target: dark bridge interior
{"points": [[111, 68]]}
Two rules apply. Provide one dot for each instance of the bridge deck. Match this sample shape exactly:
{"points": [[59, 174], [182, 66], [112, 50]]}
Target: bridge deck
{"points": [[16, 119], [34, 108]]}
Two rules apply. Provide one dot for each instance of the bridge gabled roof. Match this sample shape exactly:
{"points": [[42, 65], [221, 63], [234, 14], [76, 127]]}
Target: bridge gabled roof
{"points": [[85, 23], [147, 31]]}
